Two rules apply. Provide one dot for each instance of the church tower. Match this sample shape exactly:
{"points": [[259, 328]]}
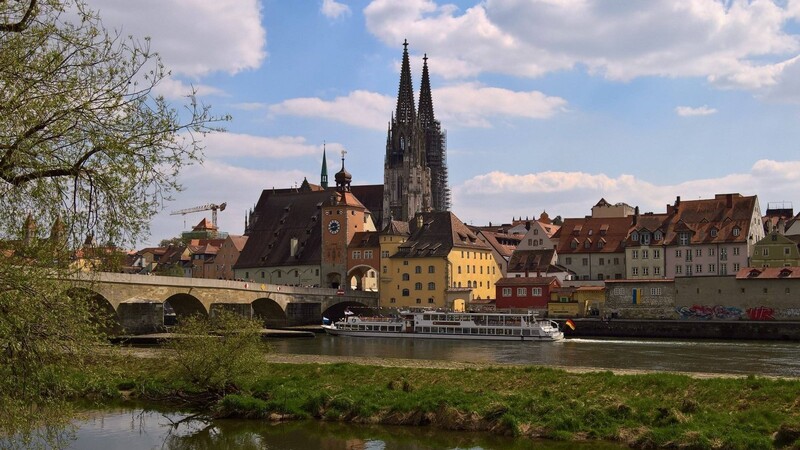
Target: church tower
{"points": [[323, 180], [435, 144], [406, 176]]}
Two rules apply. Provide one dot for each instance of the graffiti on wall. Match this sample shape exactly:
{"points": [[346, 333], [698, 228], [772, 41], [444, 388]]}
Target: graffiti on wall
{"points": [[761, 313], [709, 312]]}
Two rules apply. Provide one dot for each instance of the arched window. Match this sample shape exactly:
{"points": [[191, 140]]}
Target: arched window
{"points": [[405, 293], [417, 286], [406, 277], [431, 269], [418, 269], [431, 286]]}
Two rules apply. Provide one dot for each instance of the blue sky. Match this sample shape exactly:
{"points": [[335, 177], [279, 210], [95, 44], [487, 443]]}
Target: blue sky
{"points": [[548, 104]]}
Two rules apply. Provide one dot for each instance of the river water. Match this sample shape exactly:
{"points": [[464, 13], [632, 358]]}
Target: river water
{"points": [[138, 429], [771, 358]]}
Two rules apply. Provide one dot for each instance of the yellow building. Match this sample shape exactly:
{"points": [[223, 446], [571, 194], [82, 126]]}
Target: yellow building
{"points": [[435, 261], [576, 301]]}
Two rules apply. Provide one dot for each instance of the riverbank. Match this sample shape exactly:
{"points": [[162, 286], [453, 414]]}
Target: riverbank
{"points": [[639, 410]]}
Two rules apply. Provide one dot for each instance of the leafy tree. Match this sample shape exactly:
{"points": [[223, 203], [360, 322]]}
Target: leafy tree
{"points": [[87, 144], [171, 241], [215, 355]]}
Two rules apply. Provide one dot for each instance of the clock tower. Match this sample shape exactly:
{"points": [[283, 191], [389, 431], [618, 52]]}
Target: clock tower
{"points": [[342, 216]]}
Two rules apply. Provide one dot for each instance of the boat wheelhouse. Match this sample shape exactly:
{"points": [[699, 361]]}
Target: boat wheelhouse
{"points": [[450, 325]]}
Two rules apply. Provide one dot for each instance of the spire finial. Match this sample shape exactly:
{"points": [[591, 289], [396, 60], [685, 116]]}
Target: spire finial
{"points": [[405, 45]]}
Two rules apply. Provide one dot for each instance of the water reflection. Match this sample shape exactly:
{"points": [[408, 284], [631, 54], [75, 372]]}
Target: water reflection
{"points": [[777, 358], [144, 429]]}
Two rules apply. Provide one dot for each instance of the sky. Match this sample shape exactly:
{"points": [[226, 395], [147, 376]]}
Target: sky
{"points": [[549, 105]]}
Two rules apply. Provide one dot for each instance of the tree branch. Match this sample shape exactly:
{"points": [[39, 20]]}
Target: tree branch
{"points": [[23, 23]]}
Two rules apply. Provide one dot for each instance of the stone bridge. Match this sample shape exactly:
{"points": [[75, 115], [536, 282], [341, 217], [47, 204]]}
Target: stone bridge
{"points": [[139, 302]]}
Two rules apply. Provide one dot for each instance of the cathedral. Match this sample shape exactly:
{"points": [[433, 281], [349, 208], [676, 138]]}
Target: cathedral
{"points": [[415, 167]]}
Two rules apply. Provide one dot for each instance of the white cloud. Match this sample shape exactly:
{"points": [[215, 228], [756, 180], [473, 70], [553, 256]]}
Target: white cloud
{"points": [[688, 111], [465, 104], [472, 104], [232, 145], [572, 194], [333, 9], [360, 108], [194, 37], [736, 44], [174, 89]]}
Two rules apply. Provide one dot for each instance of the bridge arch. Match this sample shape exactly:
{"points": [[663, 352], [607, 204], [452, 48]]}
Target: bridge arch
{"points": [[362, 278], [184, 305], [101, 311], [336, 311], [269, 312]]}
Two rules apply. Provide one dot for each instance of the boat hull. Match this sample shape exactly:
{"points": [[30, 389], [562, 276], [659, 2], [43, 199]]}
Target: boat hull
{"points": [[333, 331]]}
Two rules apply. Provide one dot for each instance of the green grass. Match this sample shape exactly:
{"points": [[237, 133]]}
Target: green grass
{"points": [[641, 411]]}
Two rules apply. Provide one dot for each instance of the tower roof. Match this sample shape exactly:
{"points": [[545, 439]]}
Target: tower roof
{"points": [[405, 94], [426, 117], [324, 172]]}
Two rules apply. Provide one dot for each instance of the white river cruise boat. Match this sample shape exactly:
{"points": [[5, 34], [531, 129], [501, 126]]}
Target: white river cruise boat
{"points": [[449, 325]]}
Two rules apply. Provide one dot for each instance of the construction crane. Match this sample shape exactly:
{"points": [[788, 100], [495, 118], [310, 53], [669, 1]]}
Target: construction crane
{"points": [[211, 206]]}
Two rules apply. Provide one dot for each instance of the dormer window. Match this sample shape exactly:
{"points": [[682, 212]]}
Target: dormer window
{"points": [[574, 244], [736, 231], [713, 232], [635, 236], [785, 273], [683, 238], [645, 239], [658, 236], [587, 243]]}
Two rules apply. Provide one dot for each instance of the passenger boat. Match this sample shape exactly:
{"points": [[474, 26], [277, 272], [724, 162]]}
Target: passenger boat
{"points": [[449, 325]]}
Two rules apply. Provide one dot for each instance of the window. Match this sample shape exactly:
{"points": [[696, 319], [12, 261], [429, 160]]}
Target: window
{"points": [[712, 268], [645, 239], [683, 238], [655, 291], [506, 292], [735, 251], [602, 261], [530, 241], [585, 261], [736, 231], [418, 269], [698, 268], [430, 299], [467, 268], [764, 252], [635, 236], [735, 267], [568, 261], [431, 286], [657, 270], [367, 254], [406, 293], [535, 232], [536, 292], [645, 254], [635, 271], [786, 250], [698, 252], [384, 254], [645, 271], [385, 269], [406, 277], [723, 268], [459, 270], [656, 254], [618, 291], [405, 263], [419, 301], [678, 270], [616, 261], [658, 236], [431, 269], [635, 254], [710, 251], [713, 232], [417, 286], [678, 253], [356, 254], [689, 269], [522, 292]]}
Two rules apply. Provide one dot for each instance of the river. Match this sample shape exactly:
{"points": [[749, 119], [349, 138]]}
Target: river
{"points": [[770, 358]]}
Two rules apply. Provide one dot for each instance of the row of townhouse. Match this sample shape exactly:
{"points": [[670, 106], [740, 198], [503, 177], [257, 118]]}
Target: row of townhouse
{"points": [[706, 237]]}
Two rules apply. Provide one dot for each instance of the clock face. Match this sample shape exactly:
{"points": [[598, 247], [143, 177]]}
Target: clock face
{"points": [[334, 226]]}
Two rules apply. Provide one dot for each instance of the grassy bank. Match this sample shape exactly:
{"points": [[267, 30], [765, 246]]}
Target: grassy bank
{"points": [[642, 411]]}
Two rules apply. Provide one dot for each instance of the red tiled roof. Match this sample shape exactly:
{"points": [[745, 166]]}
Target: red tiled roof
{"points": [[768, 273]]}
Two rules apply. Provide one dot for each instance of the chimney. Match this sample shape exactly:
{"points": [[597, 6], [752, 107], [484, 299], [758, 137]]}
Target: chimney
{"points": [[528, 225], [635, 216], [677, 202], [729, 201]]}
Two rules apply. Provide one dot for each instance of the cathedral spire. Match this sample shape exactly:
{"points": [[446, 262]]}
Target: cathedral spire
{"points": [[405, 94], [425, 100], [324, 174]]}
